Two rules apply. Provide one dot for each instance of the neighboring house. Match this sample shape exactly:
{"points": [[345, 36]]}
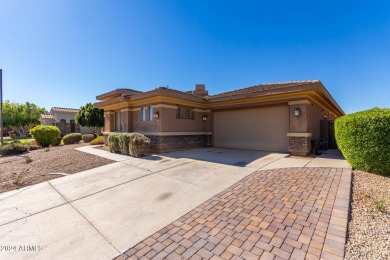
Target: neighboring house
{"points": [[63, 118], [282, 117]]}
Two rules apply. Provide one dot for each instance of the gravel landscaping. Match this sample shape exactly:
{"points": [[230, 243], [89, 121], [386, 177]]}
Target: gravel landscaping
{"points": [[45, 164], [369, 228]]}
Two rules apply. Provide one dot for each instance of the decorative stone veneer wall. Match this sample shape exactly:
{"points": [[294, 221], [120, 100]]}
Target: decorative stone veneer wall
{"points": [[161, 144], [65, 128], [179, 142], [299, 146]]}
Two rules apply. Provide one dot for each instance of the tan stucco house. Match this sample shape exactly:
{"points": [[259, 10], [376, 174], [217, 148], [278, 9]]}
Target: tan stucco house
{"points": [[64, 119], [282, 117]]}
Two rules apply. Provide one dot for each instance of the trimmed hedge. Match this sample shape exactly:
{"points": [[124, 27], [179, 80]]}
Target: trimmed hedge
{"points": [[113, 143], [97, 140], [73, 138], [364, 139], [133, 144], [13, 148], [88, 138], [139, 145], [123, 141], [45, 135]]}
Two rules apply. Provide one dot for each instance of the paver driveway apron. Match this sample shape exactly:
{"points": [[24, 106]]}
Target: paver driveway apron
{"points": [[100, 213]]}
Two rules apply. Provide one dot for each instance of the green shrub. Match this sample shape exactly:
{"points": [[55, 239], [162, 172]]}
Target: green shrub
{"points": [[13, 136], [58, 142], [88, 138], [364, 139], [45, 135], [97, 140], [113, 143], [13, 148], [139, 145], [123, 141], [73, 138]]}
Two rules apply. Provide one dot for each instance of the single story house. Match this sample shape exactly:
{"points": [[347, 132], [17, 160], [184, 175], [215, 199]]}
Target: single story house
{"points": [[64, 119], [281, 117]]}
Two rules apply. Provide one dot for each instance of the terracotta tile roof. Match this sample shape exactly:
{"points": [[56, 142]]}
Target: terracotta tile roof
{"points": [[47, 116], [268, 87], [167, 92], [62, 109], [118, 92]]}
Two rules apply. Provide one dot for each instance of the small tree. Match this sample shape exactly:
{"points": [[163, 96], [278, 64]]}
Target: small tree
{"points": [[21, 117], [90, 117]]}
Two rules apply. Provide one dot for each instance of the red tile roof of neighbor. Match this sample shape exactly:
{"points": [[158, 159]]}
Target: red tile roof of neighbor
{"points": [[62, 109], [47, 116]]}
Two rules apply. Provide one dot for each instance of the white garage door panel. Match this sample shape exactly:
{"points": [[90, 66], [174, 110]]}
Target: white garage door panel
{"points": [[257, 129]]}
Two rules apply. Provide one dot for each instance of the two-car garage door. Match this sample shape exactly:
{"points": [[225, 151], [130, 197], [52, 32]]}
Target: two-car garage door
{"points": [[256, 129]]}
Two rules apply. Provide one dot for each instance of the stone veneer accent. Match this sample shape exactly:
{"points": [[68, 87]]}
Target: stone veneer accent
{"points": [[299, 146], [179, 142], [160, 144]]}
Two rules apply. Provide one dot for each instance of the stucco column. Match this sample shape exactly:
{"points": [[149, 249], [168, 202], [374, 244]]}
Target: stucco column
{"points": [[298, 136], [109, 121], [127, 119]]}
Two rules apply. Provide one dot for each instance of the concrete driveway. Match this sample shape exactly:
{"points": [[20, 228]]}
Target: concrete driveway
{"points": [[100, 213]]}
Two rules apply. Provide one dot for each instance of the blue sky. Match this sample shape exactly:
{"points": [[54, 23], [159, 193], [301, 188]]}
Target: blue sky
{"points": [[66, 52]]}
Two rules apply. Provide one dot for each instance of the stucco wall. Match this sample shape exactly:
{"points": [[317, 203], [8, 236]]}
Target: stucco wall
{"points": [[87, 130], [315, 115], [153, 125], [63, 115], [170, 123], [47, 121], [299, 124]]}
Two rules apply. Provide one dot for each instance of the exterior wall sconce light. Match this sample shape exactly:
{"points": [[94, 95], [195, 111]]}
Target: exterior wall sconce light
{"points": [[156, 115], [204, 118], [297, 112]]}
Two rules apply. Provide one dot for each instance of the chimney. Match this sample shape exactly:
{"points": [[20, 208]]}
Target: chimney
{"points": [[200, 90]]}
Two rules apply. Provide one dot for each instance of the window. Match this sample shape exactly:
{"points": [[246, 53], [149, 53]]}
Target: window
{"points": [[184, 112], [143, 114], [150, 113], [178, 112], [188, 113]]}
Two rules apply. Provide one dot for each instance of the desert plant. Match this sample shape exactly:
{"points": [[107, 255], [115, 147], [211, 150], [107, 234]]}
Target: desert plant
{"points": [[73, 138], [13, 148], [113, 143], [27, 159], [380, 205], [18, 179], [88, 138], [363, 138], [123, 142], [98, 140], [139, 145], [45, 135]]}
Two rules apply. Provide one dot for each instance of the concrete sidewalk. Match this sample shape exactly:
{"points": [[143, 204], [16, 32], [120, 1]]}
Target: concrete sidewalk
{"points": [[100, 213]]}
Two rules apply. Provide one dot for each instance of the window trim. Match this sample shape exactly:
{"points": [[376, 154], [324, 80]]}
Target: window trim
{"points": [[187, 114], [150, 113], [143, 114]]}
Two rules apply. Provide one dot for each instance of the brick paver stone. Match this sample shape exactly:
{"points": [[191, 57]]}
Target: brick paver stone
{"points": [[293, 213]]}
